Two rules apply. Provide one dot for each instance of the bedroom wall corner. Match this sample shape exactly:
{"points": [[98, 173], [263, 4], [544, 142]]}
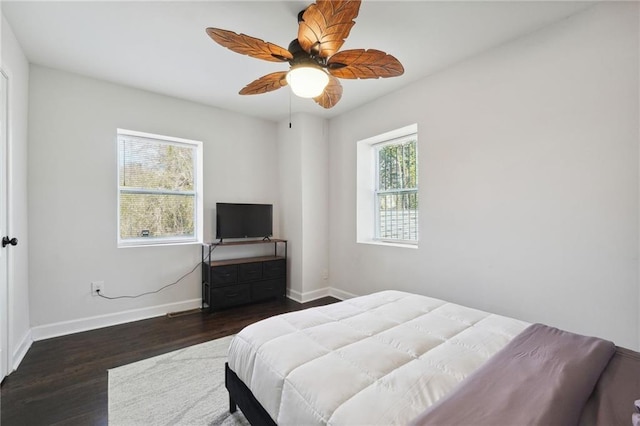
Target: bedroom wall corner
{"points": [[290, 186], [304, 192], [315, 207]]}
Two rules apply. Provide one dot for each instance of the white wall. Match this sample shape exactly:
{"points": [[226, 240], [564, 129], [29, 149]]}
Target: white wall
{"points": [[15, 65], [528, 180], [72, 197], [315, 201], [304, 193], [290, 185]]}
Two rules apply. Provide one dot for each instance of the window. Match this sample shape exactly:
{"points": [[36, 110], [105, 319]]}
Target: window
{"points": [[387, 197], [159, 189], [397, 189]]}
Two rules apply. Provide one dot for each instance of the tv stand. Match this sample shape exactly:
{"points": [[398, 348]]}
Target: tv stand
{"points": [[232, 282]]}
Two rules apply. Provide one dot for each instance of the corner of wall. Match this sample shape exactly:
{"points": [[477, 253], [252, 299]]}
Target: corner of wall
{"points": [[341, 294], [21, 350]]}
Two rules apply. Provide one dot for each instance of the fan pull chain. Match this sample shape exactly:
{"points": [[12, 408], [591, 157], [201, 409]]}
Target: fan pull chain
{"points": [[289, 108]]}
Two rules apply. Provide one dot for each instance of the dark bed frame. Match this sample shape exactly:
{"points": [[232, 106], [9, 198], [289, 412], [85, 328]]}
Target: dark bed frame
{"points": [[240, 396]]}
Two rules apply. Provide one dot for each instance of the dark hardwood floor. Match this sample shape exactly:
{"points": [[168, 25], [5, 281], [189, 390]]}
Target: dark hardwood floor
{"points": [[64, 380]]}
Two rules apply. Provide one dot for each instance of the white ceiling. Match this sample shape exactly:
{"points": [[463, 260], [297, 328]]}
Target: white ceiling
{"points": [[162, 46]]}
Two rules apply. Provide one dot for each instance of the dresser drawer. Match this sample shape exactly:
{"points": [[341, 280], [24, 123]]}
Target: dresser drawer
{"points": [[274, 268], [249, 271], [222, 297], [268, 289], [224, 275]]}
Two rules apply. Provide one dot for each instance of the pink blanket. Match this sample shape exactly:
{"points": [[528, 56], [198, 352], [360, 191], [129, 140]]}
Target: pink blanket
{"points": [[612, 401], [542, 377]]}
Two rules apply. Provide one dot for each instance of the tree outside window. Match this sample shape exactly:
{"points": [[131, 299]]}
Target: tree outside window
{"points": [[396, 191], [158, 189]]}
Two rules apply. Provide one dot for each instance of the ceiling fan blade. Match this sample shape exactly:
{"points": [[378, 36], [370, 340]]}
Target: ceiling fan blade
{"points": [[325, 25], [331, 94], [247, 45], [361, 63], [266, 83]]}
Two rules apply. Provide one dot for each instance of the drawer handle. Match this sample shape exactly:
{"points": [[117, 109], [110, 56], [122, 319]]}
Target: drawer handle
{"points": [[232, 295]]}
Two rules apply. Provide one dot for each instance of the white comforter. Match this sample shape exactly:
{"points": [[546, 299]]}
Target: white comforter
{"points": [[376, 359]]}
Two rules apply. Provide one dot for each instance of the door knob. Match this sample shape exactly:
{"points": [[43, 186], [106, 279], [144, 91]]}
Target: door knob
{"points": [[6, 241]]}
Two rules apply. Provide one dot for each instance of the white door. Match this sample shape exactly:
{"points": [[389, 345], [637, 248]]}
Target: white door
{"points": [[4, 290]]}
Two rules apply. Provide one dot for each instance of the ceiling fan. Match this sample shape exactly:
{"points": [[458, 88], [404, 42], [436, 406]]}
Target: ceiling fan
{"points": [[314, 57]]}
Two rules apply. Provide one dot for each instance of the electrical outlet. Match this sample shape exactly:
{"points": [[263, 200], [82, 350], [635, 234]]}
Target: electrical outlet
{"points": [[95, 286]]}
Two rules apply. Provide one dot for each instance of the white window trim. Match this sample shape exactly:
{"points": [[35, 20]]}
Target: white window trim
{"points": [[366, 173], [198, 192]]}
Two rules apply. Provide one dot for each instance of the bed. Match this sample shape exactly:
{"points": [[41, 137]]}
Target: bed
{"points": [[396, 358]]}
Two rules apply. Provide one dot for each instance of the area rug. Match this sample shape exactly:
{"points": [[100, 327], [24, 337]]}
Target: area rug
{"points": [[184, 387]]}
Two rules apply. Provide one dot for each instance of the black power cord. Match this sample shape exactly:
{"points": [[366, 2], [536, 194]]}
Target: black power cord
{"points": [[150, 292]]}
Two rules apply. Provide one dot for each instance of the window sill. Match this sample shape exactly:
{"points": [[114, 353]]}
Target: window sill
{"points": [[390, 244], [133, 244]]}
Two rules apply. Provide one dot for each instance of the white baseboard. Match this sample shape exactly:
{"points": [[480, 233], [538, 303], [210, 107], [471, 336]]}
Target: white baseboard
{"points": [[315, 294], [318, 294], [341, 294], [294, 295], [63, 328], [309, 295], [21, 350]]}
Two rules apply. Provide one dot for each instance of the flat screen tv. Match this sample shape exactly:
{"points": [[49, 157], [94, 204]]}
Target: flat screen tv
{"points": [[234, 220]]}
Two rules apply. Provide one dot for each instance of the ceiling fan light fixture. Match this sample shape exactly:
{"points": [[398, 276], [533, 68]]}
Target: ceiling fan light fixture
{"points": [[314, 55], [307, 81]]}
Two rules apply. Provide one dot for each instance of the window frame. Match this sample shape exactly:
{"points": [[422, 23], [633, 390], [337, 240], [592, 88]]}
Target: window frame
{"points": [[399, 140], [367, 182], [197, 192]]}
